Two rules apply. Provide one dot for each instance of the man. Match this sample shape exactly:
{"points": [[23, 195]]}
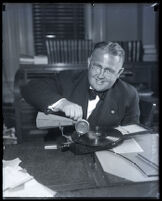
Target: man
{"points": [[117, 103]]}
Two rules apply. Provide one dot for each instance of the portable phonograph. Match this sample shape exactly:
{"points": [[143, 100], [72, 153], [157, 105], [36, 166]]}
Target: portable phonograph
{"points": [[81, 140]]}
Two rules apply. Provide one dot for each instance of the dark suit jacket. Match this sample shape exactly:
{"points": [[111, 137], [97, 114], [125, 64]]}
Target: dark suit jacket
{"points": [[119, 107]]}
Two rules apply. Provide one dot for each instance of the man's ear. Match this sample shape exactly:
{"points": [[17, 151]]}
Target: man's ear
{"points": [[120, 71]]}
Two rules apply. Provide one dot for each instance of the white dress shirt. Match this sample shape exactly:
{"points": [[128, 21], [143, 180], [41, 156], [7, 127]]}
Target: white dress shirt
{"points": [[91, 105]]}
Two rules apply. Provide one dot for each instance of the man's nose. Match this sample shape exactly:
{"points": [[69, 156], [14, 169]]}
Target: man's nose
{"points": [[101, 74]]}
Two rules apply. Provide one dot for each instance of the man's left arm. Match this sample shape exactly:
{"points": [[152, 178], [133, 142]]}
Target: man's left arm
{"points": [[132, 115]]}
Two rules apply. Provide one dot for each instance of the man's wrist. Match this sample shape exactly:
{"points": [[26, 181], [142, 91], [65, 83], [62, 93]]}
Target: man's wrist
{"points": [[56, 104]]}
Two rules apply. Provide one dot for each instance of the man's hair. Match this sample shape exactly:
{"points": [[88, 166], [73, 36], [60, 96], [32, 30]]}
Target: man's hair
{"points": [[111, 48]]}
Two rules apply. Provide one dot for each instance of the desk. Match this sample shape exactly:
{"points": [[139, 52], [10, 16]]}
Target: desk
{"points": [[72, 175]]}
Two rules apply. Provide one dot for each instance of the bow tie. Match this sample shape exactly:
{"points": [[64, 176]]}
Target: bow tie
{"points": [[93, 93]]}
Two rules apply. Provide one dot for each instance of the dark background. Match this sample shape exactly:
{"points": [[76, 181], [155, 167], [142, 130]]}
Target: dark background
{"points": [[98, 22]]}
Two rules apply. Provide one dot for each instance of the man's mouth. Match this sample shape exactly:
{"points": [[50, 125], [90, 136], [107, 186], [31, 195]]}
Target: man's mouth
{"points": [[99, 81]]}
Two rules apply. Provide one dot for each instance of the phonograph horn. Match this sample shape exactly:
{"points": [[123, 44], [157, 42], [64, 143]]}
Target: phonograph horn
{"points": [[45, 121]]}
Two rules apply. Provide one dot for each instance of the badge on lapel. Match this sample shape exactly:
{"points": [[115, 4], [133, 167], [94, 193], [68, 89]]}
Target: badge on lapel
{"points": [[112, 112]]}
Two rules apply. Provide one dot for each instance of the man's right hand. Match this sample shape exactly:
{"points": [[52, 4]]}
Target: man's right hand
{"points": [[72, 110]]}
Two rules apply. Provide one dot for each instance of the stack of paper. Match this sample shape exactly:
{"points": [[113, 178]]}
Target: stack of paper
{"points": [[128, 146], [18, 183], [129, 168], [14, 177], [129, 129], [136, 159]]}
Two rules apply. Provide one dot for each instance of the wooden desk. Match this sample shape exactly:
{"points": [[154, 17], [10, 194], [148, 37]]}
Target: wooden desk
{"points": [[74, 175]]}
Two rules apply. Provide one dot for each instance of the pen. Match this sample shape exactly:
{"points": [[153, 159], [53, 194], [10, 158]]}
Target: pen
{"points": [[54, 146]]}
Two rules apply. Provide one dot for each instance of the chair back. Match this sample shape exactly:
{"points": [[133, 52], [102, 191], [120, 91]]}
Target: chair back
{"points": [[149, 112]]}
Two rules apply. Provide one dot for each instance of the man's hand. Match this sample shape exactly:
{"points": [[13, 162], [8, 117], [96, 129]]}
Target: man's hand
{"points": [[72, 110]]}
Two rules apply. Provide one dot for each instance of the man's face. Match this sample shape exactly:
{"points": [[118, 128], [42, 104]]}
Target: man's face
{"points": [[104, 69]]}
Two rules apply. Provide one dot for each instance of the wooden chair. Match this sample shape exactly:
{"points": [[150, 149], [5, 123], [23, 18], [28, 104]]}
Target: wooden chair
{"points": [[149, 112]]}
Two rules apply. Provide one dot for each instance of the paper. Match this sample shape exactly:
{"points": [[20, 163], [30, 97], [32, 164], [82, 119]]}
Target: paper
{"points": [[134, 128], [128, 146], [13, 177], [14, 163], [30, 189], [151, 154], [116, 165], [145, 166], [18, 183], [13, 174]]}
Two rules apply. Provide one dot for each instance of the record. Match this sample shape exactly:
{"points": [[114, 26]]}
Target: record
{"points": [[109, 138]]}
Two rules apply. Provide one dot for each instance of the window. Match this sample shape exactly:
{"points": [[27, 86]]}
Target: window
{"points": [[63, 20]]}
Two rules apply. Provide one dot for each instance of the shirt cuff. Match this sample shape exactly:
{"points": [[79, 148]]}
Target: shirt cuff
{"points": [[55, 104]]}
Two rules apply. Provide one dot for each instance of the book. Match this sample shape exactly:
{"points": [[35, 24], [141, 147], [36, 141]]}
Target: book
{"points": [[125, 47], [40, 59], [139, 52], [129, 51], [79, 52], [48, 51], [134, 49]]}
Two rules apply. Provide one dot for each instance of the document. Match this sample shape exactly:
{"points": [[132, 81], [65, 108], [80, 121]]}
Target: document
{"points": [[30, 188], [18, 183], [151, 152], [13, 177], [138, 166], [133, 128], [119, 166], [145, 166], [128, 146], [13, 174], [13, 163]]}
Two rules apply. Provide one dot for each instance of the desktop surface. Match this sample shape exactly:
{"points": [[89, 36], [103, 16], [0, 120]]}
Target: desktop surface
{"points": [[74, 175]]}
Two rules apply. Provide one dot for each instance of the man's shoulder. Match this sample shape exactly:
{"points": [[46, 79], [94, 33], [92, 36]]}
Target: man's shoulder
{"points": [[126, 87]]}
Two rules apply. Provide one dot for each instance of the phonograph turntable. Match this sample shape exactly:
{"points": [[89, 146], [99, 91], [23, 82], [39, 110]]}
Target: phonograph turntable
{"points": [[81, 139]]}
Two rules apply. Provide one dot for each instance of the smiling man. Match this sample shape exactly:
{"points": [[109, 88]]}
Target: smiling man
{"points": [[105, 66], [114, 102]]}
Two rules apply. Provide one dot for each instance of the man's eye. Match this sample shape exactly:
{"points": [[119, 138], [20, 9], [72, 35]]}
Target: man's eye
{"points": [[96, 67], [107, 71]]}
